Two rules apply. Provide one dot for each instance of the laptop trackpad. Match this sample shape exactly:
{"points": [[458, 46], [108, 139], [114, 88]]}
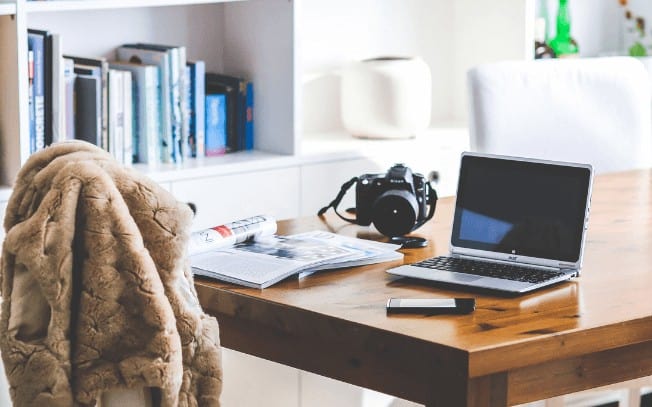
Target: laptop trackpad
{"points": [[457, 277]]}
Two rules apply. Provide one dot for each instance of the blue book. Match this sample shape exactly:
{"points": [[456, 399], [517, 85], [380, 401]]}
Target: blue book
{"points": [[146, 103], [37, 43], [134, 53], [215, 125], [249, 125], [235, 89], [197, 108], [177, 79]]}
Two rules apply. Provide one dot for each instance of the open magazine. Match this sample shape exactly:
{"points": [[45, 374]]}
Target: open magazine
{"points": [[259, 258]]}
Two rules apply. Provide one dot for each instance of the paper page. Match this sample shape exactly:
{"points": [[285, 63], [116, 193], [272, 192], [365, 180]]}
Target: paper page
{"points": [[265, 261]]}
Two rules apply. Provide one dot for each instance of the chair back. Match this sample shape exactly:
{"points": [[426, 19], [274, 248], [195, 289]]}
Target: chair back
{"points": [[594, 110]]}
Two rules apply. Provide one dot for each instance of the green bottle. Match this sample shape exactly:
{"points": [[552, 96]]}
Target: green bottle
{"points": [[563, 44]]}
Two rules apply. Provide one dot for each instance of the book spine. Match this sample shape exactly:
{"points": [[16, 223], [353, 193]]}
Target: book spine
{"points": [[39, 90], [127, 122], [149, 113], [69, 98], [88, 113], [184, 86], [197, 123], [58, 91], [215, 125], [104, 106], [48, 99], [191, 139], [30, 90], [249, 127], [175, 104], [200, 107], [115, 93], [242, 114]]}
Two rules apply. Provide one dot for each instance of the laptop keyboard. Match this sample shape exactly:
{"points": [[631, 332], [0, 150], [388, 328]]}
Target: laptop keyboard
{"points": [[487, 269]]}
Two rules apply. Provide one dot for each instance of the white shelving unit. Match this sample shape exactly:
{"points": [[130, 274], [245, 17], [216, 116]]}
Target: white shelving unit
{"points": [[231, 36], [292, 50]]}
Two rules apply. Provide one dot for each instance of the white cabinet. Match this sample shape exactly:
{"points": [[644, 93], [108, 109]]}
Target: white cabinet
{"points": [[250, 381], [221, 199]]}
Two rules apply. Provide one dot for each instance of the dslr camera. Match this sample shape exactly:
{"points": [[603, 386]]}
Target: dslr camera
{"points": [[397, 202]]}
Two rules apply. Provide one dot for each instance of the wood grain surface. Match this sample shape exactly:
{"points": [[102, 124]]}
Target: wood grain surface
{"points": [[594, 330]]}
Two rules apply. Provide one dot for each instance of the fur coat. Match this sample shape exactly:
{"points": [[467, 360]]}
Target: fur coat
{"points": [[96, 286]]}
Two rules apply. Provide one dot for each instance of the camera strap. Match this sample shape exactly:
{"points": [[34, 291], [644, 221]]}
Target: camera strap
{"points": [[335, 202], [432, 204]]}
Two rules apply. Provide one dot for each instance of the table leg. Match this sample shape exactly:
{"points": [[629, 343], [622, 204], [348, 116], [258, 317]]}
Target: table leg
{"points": [[486, 391]]}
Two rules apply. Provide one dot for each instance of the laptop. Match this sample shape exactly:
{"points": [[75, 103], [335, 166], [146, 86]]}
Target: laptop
{"points": [[519, 225]]}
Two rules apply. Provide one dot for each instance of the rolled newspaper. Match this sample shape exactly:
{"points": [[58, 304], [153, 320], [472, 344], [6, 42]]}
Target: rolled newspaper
{"points": [[229, 234]]}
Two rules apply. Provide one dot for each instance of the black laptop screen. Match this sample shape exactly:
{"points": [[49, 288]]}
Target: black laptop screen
{"points": [[522, 208]]}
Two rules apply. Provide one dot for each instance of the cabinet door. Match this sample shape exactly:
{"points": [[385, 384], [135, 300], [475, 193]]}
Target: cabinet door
{"points": [[230, 197], [320, 183], [251, 381]]}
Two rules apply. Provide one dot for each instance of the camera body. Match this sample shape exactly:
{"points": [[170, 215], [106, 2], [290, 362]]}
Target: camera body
{"points": [[396, 202]]}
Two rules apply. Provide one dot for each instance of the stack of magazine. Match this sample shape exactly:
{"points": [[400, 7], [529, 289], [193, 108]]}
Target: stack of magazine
{"points": [[249, 253]]}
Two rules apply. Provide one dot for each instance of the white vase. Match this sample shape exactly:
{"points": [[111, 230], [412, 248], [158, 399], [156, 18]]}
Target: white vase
{"points": [[387, 97]]}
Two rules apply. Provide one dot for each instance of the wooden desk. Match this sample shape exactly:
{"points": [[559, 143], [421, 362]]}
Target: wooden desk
{"points": [[589, 332]]}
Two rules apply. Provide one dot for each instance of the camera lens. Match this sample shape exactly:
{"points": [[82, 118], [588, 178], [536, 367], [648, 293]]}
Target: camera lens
{"points": [[394, 213]]}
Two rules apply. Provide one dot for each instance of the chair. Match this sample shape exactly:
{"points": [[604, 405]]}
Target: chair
{"points": [[595, 111], [586, 110]]}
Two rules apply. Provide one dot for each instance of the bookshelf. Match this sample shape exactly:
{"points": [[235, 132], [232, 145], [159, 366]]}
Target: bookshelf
{"points": [[230, 36], [290, 49]]}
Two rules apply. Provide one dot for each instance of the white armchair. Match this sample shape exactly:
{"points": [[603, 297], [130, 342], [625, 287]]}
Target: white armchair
{"points": [[594, 111], [585, 110]]}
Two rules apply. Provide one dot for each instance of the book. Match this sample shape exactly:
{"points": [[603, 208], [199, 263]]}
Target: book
{"points": [[216, 125], [57, 90], [127, 118], [30, 96], [36, 42], [176, 71], [260, 259], [120, 116], [101, 65], [146, 115], [116, 109], [69, 98], [239, 105], [135, 54], [197, 108], [88, 108], [214, 87], [249, 117]]}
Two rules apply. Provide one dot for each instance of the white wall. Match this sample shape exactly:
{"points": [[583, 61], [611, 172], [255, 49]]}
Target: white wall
{"points": [[335, 32]]}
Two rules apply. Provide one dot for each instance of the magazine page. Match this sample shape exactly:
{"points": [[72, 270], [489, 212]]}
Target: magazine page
{"points": [[364, 251], [230, 234], [265, 261]]}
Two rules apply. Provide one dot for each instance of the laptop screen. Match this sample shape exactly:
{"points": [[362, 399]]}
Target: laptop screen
{"points": [[519, 207]]}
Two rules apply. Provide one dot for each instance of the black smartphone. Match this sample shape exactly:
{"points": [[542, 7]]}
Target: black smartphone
{"points": [[430, 305]]}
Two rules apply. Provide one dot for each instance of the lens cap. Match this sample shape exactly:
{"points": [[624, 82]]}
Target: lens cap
{"points": [[409, 242]]}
